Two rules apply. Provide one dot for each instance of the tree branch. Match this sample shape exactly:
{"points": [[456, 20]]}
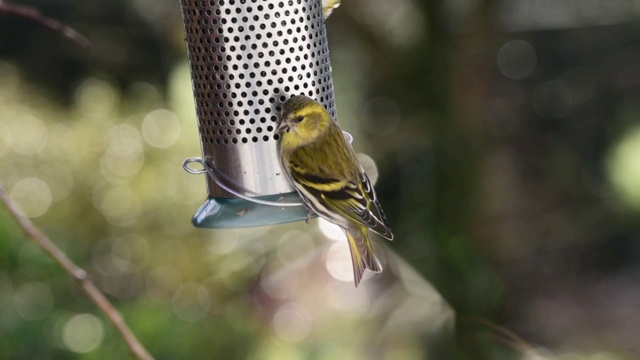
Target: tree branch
{"points": [[34, 14], [79, 275]]}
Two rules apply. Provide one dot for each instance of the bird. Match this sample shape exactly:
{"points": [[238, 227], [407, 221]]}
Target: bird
{"points": [[323, 168]]}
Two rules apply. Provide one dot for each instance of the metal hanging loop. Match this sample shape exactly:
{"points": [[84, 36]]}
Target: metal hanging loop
{"points": [[208, 167]]}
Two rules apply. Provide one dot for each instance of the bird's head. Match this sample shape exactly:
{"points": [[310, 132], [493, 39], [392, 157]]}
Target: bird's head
{"points": [[302, 120]]}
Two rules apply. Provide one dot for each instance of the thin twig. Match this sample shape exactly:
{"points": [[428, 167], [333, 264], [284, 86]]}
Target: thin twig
{"points": [[79, 275], [34, 14]]}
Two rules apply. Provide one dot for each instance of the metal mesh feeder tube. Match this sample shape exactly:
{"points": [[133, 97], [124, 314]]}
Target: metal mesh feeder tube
{"points": [[247, 57]]}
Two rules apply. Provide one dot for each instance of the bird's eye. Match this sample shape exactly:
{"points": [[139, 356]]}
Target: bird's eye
{"points": [[297, 119]]}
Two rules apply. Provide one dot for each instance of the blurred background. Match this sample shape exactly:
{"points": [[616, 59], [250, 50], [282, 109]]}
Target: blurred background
{"points": [[507, 139]]}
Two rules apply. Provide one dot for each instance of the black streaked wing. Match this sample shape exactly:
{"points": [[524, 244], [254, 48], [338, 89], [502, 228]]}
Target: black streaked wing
{"points": [[357, 202], [374, 206]]}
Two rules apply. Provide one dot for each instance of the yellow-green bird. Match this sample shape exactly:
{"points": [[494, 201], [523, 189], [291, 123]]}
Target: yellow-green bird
{"points": [[324, 169]]}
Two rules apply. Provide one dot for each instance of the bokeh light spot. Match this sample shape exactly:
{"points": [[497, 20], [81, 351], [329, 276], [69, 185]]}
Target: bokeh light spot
{"points": [[399, 22], [332, 231], [130, 253], [95, 97], [33, 301], [381, 115], [124, 155], [292, 322], [369, 166], [33, 195], [191, 302], [120, 205], [152, 10], [122, 132], [161, 128], [144, 95], [83, 333], [623, 168], [516, 59], [338, 261], [28, 135]]}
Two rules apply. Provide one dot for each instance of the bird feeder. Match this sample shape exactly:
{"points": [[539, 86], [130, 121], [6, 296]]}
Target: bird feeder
{"points": [[247, 57]]}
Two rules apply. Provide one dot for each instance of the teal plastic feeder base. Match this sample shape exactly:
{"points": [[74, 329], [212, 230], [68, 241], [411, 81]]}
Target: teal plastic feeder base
{"points": [[227, 213]]}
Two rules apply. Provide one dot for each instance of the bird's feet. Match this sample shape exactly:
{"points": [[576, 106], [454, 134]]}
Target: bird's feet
{"points": [[309, 215]]}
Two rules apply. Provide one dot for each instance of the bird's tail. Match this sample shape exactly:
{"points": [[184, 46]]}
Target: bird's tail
{"points": [[362, 255]]}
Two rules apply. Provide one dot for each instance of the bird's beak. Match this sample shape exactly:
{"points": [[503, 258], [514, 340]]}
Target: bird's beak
{"points": [[282, 128]]}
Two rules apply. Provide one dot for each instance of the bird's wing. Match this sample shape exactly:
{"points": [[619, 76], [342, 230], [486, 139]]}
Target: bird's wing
{"points": [[374, 205], [355, 200]]}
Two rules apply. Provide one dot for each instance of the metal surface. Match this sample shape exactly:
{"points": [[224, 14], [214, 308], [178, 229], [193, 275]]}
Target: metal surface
{"points": [[210, 169], [247, 57]]}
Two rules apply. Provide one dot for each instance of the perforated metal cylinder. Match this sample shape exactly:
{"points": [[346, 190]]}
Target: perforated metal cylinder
{"points": [[247, 57]]}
